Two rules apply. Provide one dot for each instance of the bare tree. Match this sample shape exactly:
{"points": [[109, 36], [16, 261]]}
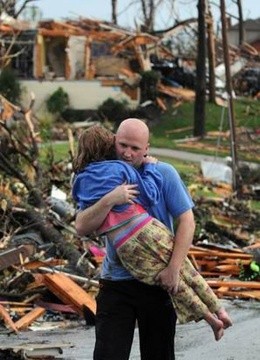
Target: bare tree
{"points": [[114, 12], [11, 7], [241, 22], [148, 8], [211, 55]]}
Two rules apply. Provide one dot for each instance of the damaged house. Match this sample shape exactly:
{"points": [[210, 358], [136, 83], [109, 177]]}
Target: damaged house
{"points": [[94, 60]]}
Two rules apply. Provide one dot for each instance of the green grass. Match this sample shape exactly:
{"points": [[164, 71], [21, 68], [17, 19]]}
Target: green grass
{"points": [[60, 151], [246, 113]]}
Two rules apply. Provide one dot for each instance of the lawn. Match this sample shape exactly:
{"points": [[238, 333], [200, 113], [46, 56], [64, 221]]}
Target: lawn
{"points": [[177, 125]]}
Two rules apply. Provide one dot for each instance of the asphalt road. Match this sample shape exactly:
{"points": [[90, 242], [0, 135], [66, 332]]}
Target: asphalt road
{"points": [[184, 155], [194, 341]]}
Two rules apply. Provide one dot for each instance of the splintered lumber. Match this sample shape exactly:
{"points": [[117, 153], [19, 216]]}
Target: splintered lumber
{"points": [[70, 292], [35, 264], [29, 318], [15, 256], [241, 294], [211, 262], [7, 319], [179, 93], [236, 288], [161, 104], [175, 131], [235, 284], [218, 264], [221, 254]]}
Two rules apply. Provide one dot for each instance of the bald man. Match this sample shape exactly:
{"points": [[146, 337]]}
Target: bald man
{"points": [[122, 301]]}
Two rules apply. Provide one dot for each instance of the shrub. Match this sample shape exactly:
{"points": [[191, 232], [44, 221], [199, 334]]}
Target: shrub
{"points": [[9, 85], [46, 122], [58, 101], [113, 110]]}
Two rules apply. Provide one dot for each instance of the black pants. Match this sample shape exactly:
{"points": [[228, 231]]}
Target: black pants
{"points": [[119, 305]]}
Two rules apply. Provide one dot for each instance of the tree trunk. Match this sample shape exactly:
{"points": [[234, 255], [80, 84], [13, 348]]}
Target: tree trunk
{"points": [[241, 23], [148, 15], [200, 100], [114, 12], [9, 7], [211, 57]]}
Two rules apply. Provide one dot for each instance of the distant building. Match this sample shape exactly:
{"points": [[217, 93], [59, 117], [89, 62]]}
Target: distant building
{"points": [[251, 33]]}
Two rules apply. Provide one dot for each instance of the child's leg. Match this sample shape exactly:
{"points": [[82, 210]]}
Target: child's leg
{"points": [[216, 325], [200, 286], [146, 254], [190, 307], [224, 317], [205, 293]]}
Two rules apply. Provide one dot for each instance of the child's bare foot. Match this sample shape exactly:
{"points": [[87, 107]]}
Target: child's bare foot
{"points": [[218, 329], [216, 325], [224, 317]]}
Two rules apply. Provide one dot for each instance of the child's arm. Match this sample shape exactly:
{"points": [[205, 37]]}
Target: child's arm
{"points": [[90, 219], [150, 182]]}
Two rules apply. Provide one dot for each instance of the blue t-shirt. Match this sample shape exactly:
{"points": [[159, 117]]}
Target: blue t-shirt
{"points": [[174, 201]]}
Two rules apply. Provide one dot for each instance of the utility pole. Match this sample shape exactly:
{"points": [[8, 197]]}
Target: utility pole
{"points": [[230, 97]]}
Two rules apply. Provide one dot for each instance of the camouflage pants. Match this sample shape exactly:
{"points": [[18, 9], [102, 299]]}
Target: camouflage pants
{"points": [[148, 252]]}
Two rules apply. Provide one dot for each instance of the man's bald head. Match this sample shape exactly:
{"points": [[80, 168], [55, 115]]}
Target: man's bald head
{"points": [[132, 141], [136, 127]]}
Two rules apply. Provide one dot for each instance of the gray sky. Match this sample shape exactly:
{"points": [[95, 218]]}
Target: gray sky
{"points": [[101, 9]]}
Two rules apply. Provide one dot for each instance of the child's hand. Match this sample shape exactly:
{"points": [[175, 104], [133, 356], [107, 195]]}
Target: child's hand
{"points": [[150, 160]]}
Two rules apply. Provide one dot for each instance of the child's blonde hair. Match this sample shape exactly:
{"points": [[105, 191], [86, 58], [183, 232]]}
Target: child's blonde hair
{"points": [[95, 144]]}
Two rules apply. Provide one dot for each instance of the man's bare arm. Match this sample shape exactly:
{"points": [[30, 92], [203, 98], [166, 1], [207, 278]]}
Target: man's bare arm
{"points": [[169, 277], [90, 219]]}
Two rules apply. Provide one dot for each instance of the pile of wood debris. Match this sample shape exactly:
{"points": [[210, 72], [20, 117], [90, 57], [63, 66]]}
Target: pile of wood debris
{"points": [[45, 268]]}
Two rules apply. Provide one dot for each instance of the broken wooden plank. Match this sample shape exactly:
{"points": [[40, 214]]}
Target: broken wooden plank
{"points": [[7, 319], [220, 254], [29, 318], [13, 256], [194, 262], [35, 264], [70, 292], [179, 93], [161, 104], [235, 284], [240, 294], [175, 131]]}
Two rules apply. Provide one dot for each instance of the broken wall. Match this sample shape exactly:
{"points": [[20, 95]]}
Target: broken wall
{"points": [[76, 56], [85, 94], [109, 65], [56, 56]]}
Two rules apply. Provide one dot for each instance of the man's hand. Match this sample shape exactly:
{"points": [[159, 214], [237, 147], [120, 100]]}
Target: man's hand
{"points": [[168, 279]]}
